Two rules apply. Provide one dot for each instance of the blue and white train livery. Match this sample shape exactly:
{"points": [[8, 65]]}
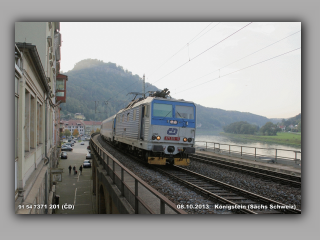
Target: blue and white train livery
{"points": [[158, 129]]}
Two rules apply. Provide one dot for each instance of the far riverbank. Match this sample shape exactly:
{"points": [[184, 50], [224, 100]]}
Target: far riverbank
{"points": [[286, 138]]}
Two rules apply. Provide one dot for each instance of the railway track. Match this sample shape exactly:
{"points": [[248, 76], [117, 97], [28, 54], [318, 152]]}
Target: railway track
{"points": [[231, 198], [287, 179]]}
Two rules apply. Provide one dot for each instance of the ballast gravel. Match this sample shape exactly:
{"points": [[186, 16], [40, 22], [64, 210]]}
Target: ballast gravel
{"points": [[272, 190], [179, 194], [176, 193]]}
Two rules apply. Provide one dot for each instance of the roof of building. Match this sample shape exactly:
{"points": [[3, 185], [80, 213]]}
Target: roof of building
{"points": [[92, 123], [62, 76], [33, 52], [73, 122]]}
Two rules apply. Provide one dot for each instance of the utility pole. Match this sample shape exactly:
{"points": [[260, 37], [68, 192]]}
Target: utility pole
{"points": [[95, 106], [106, 102]]}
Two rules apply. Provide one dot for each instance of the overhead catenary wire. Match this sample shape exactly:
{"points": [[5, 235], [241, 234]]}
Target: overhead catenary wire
{"points": [[260, 49], [187, 45], [193, 57], [204, 33], [202, 53], [172, 56], [121, 91], [239, 70], [242, 58], [199, 33], [220, 67]]}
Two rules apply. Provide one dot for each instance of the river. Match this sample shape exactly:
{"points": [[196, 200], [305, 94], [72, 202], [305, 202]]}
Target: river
{"points": [[262, 148]]}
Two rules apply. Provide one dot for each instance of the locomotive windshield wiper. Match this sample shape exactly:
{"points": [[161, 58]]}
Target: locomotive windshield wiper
{"points": [[185, 123], [179, 114]]}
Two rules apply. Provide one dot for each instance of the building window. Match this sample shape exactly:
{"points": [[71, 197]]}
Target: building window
{"points": [[60, 94], [33, 126], [60, 84], [134, 114], [27, 122]]}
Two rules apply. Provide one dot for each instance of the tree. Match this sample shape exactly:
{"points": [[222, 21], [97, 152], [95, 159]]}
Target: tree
{"points": [[98, 130], [67, 133], [91, 132], [75, 132], [241, 128], [270, 129]]}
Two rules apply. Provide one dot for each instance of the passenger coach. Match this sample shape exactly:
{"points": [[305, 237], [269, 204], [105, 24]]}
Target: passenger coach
{"points": [[159, 129]]}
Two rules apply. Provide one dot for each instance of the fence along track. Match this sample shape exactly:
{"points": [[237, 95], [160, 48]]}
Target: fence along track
{"points": [[250, 155], [111, 164], [224, 193]]}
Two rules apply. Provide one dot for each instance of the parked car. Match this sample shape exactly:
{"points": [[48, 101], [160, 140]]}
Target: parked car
{"points": [[86, 164], [66, 148], [88, 155], [70, 144], [82, 143], [64, 155], [88, 147]]}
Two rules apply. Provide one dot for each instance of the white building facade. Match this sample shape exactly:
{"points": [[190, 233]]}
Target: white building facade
{"points": [[72, 125], [37, 56]]}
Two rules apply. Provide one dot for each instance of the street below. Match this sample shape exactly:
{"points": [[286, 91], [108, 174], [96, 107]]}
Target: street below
{"points": [[75, 189]]}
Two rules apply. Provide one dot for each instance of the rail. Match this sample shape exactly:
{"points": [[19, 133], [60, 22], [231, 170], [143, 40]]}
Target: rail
{"points": [[251, 152], [131, 186]]}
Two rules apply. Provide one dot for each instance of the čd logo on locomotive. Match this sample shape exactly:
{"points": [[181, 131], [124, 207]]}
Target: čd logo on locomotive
{"points": [[172, 131]]}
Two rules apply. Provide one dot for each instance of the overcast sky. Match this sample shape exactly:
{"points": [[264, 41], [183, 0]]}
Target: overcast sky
{"points": [[248, 67]]}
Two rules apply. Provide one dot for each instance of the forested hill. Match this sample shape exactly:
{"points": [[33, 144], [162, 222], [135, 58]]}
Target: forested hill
{"points": [[93, 80], [218, 118]]}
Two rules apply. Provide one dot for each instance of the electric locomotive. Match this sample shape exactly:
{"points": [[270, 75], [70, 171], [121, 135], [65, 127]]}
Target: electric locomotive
{"points": [[160, 130]]}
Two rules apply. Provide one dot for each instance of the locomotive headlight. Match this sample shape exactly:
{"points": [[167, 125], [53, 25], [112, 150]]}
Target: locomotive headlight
{"points": [[185, 139], [189, 139], [175, 122], [158, 138], [171, 121]]}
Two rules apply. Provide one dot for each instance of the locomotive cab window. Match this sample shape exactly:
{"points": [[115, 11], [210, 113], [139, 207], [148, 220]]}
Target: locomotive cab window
{"points": [[184, 112], [162, 110]]}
